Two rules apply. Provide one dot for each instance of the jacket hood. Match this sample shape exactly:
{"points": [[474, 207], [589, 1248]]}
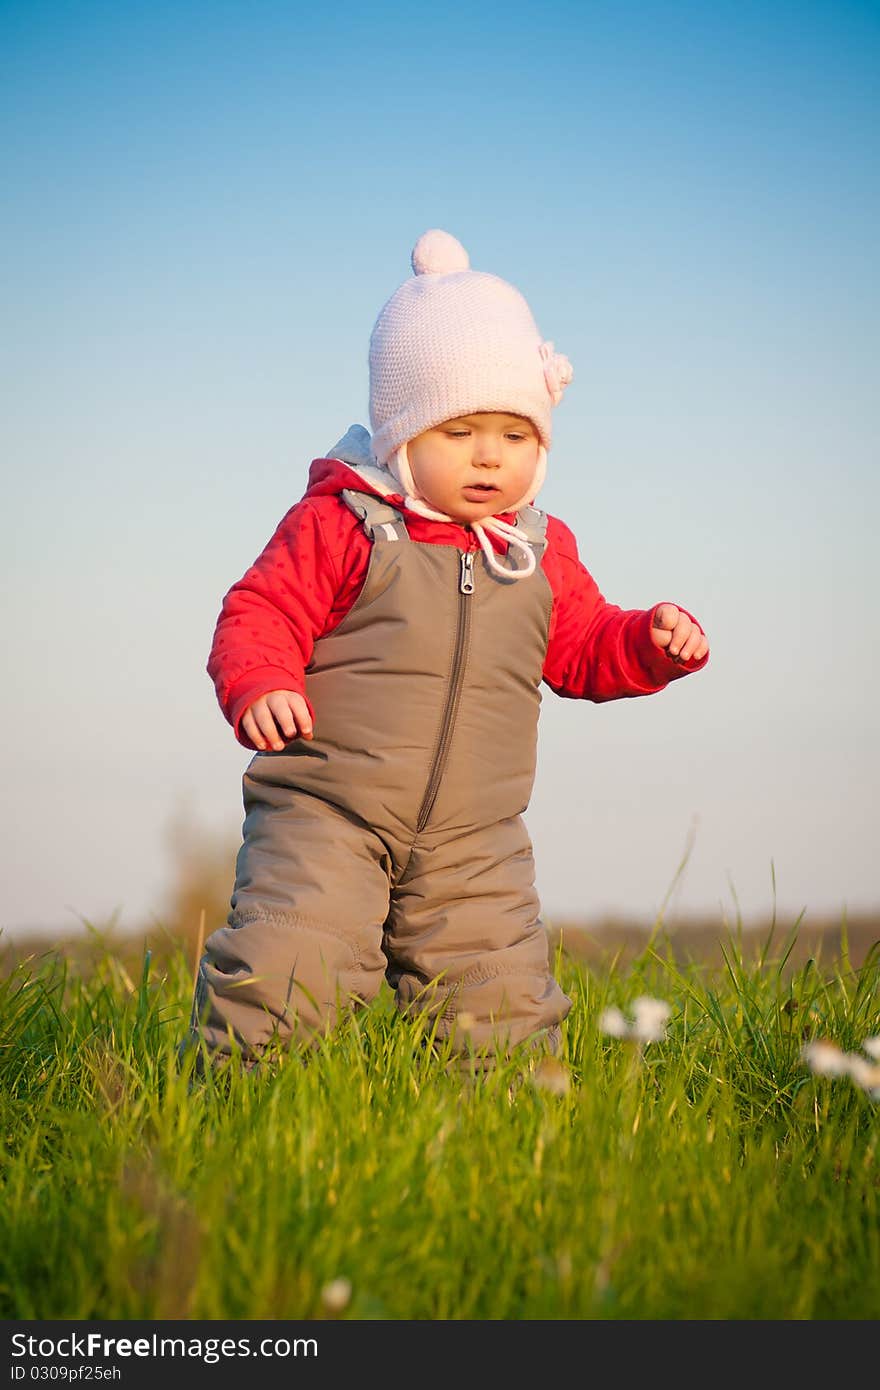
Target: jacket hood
{"points": [[351, 464]]}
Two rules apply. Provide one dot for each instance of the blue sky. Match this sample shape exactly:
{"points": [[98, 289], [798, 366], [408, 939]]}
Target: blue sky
{"points": [[206, 206]]}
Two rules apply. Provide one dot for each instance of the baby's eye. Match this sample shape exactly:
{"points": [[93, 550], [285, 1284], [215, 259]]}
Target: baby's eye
{"points": [[514, 436], [458, 434]]}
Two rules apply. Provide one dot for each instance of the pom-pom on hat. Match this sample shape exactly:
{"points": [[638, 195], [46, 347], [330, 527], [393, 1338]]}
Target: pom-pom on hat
{"points": [[454, 341]]}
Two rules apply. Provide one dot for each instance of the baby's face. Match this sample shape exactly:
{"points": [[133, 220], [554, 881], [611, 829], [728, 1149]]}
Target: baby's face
{"points": [[475, 465]]}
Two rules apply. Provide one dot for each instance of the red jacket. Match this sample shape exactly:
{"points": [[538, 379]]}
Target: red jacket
{"points": [[312, 570]]}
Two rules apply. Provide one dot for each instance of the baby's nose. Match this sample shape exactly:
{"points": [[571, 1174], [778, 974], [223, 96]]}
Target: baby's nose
{"points": [[487, 456]]}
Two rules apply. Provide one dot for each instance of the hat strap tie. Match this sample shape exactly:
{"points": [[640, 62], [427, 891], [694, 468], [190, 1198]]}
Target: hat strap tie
{"points": [[514, 535]]}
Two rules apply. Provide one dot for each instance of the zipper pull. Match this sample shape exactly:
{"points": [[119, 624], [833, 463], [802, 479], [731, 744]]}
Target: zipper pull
{"points": [[466, 583]]}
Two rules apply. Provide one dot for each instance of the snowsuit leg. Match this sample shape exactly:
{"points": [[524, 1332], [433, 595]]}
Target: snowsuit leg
{"points": [[466, 944], [393, 841], [304, 936]]}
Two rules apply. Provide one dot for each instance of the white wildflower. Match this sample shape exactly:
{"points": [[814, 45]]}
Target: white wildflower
{"points": [[827, 1059], [824, 1058], [864, 1073], [650, 1017], [336, 1295], [612, 1021]]}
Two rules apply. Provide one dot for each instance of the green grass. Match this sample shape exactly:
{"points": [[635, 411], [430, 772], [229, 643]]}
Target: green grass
{"points": [[707, 1176]]}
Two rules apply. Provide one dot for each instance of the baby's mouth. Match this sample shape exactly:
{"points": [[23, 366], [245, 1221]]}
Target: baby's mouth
{"points": [[481, 489]]}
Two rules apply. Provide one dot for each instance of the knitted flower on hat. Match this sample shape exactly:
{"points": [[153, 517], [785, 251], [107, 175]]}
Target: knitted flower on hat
{"points": [[452, 341]]}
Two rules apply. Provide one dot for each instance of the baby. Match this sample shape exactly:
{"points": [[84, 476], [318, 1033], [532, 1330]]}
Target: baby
{"points": [[384, 658]]}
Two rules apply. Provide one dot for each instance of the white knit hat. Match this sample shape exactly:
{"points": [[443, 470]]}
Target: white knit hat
{"points": [[454, 341]]}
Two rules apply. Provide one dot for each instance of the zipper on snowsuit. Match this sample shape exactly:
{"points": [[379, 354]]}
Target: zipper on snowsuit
{"points": [[453, 693]]}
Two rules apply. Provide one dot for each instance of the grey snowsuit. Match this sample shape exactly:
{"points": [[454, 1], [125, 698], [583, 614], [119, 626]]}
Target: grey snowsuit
{"points": [[391, 845]]}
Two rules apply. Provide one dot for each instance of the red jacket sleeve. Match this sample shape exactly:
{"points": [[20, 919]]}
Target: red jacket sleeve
{"points": [[298, 588], [598, 651]]}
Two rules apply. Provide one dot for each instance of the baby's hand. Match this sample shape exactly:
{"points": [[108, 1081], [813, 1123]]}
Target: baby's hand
{"points": [[676, 632], [276, 718]]}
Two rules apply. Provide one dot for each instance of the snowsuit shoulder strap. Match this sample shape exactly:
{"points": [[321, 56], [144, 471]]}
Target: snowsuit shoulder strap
{"points": [[534, 523], [378, 517]]}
